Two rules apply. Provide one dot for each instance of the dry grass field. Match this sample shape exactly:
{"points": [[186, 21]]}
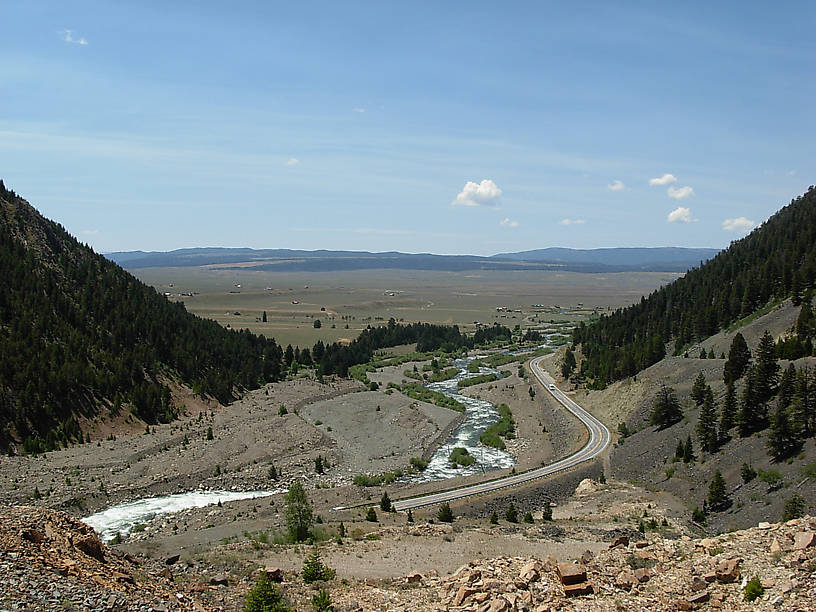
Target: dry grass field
{"points": [[347, 302]]}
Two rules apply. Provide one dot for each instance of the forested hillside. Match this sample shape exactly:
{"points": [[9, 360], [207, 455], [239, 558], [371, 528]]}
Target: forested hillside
{"points": [[77, 333], [777, 260]]}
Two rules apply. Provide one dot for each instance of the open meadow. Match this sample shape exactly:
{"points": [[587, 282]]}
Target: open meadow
{"points": [[347, 302]]}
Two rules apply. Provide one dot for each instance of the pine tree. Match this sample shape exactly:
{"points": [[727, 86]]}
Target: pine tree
{"points": [[688, 451], [698, 389], [787, 386], [666, 410], [263, 318], [782, 441], [738, 359], [767, 375], [568, 365], [803, 404], [728, 412], [805, 322], [718, 499], [385, 502], [445, 514], [753, 414], [707, 423]]}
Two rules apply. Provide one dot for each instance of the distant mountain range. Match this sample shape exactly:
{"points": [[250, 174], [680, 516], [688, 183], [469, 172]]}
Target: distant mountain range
{"points": [[660, 259]]}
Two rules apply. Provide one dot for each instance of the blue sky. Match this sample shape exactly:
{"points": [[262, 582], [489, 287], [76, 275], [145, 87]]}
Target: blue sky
{"points": [[446, 127]]}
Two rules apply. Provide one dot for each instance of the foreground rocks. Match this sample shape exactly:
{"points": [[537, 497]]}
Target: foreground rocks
{"points": [[50, 561]]}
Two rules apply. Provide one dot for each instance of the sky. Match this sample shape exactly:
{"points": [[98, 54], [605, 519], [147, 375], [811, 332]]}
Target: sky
{"points": [[445, 127]]}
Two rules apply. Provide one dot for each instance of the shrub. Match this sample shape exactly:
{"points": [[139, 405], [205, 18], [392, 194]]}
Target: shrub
{"points": [[371, 515], [546, 511], [494, 518], [511, 515], [747, 472], [461, 456], [445, 514], [697, 515], [753, 589], [418, 464], [795, 507], [265, 596], [771, 477], [314, 569], [385, 502], [321, 601], [528, 517]]}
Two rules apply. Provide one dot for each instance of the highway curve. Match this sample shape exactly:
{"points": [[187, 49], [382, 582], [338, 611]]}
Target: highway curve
{"points": [[599, 439]]}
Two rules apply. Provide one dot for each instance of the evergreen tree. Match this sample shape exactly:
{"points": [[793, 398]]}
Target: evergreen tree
{"points": [[688, 451], [707, 423], [698, 389], [738, 359], [728, 412], [263, 318], [511, 514], [805, 322], [782, 441], [803, 404], [787, 386], [568, 365], [718, 499], [371, 515], [767, 369], [445, 514], [298, 512], [385, 502], [753, 414], [666, 410]]}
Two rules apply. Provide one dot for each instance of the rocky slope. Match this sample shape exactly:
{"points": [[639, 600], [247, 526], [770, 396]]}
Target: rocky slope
{"points": [[51, 561]]}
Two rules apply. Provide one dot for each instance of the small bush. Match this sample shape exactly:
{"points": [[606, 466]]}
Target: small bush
{"points": [[772, 478], [314, 569], [385, 502], [321, 601], [445, 514], [747, 472], [461, 456], [265, 596], [528, 517], [371, 515], [511, 514], [753, 590], [795, 507], [494, 518]]}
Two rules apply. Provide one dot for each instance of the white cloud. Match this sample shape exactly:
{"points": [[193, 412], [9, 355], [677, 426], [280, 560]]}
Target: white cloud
{"points": [[740, 224], [358, 109], [616, 186], [571, 222], [67, 36], [666, 179], [680, 193], [90, 232], [791, 172], [292, 161], [486, 193], [680, 214], [507, 222]]}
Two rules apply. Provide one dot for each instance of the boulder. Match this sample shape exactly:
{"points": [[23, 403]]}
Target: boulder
{"points": [[643, 574], [91, 545], [414, 578], [620, 541], [698, 583], [462, 594], [728, 571], [574, 590], [803, 540], [219, 579], [626, 580], [571, 573], [172, 559], [699, 598]]}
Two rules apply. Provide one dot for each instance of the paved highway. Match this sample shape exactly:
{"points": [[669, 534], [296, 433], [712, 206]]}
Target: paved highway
{"points": [[599, 438]]}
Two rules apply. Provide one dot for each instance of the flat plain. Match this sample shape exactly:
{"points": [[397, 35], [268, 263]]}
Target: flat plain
{"points": [[346, 302]]}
